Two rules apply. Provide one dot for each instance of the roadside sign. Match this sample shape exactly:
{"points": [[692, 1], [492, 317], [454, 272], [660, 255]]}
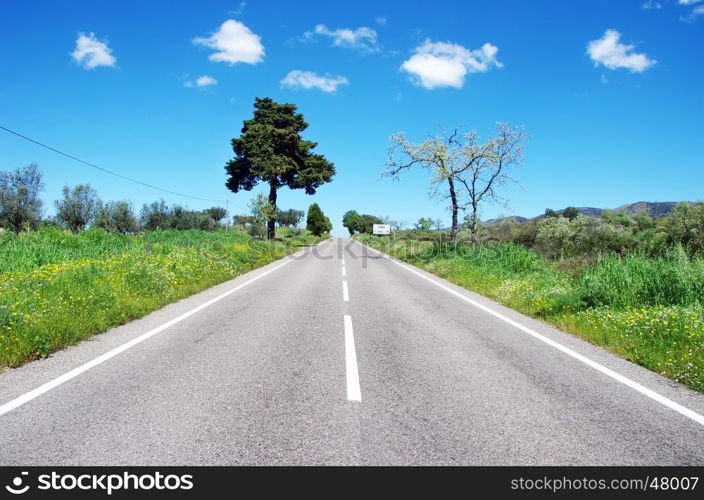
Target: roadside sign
{"points": [[381, 229]]}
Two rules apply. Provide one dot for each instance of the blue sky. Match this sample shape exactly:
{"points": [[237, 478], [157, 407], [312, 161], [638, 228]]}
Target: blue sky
{"points": [[117, 84]]}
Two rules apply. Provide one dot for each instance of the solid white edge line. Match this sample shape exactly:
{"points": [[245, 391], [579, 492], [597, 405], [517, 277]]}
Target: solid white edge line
{"points": [[682, 410], [345, 292], [354, 393], [46, 387]]}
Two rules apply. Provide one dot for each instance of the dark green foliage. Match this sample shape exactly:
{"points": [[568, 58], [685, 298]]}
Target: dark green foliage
{"points": [[20, 206], [272, 150], [243, 220], [182, 218], [365, 223], [570, 213], [685, 224], [349, 220], [158, 215], [316, 222], [549, 212], [78, 207], [155, 216], [216, 213], [290, 217], [117, 217]]}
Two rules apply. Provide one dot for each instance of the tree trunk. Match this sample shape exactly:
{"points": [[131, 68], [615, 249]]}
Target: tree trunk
{"points": [[474, 223], [271, 223], [453, 199]]}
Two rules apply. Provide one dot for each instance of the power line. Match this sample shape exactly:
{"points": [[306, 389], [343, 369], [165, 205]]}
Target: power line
{"points": [[105, 169]]}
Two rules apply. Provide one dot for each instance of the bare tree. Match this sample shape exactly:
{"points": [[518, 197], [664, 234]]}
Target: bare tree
{"points": [[489, 169], [463, 170]]}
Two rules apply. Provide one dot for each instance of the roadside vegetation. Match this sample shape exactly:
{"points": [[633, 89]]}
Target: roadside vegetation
{"points": [[632, 282], [57, 288], [634, 285], [97, 264]]}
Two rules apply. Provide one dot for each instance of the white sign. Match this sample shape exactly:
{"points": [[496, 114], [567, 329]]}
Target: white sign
{"points": [[381, 229]]}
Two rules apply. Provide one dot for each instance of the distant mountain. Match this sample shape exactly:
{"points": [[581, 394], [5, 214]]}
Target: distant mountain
{"points": [[652, 208]]}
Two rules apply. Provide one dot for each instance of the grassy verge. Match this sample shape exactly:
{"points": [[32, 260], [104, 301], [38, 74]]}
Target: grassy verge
{"points": [[57, 288], [647, 310]]}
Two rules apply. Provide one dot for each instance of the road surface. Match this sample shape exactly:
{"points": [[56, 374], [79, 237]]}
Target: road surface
{"points": [[335, 357]]}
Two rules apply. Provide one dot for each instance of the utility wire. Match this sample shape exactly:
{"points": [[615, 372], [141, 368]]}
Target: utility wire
{"points": [[105, 169]]}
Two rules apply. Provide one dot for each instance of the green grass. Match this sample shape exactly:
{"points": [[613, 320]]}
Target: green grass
{"points": [[58, 288], [647, 310]]}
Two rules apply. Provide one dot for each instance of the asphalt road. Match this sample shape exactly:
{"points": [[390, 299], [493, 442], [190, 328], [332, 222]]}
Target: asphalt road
{"points": [[293, 367]]}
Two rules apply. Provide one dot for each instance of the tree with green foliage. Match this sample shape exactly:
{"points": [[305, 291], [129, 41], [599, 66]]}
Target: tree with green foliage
{"points": [[262, 211], [155, 215], [549, 212], [349, 220], [570, 213], [290, 217], [272, 150], [117, 217], [243, 220], [20, 205], [316, 222], [365, 223], [182, 218], [424, 224], [685, 225], [78, 207], [216, 213]]}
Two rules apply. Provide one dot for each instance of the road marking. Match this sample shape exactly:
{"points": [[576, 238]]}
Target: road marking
{"points": [[35, 393], [345, 292], [682, 410], [354, 393], [344, 272]]}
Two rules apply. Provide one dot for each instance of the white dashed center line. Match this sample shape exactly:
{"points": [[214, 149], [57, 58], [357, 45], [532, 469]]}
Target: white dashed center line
{"points": [[354, 393]]}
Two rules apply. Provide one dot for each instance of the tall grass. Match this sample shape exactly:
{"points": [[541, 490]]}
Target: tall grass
{"points": [[635, 281], [57, 288], [648, 310]]}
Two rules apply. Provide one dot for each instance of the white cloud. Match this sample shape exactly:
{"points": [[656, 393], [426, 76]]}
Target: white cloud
{"points": [[240, 9], [201, 81], [381, 20], [688, 2], [444, 64], [613, 54], [651, 4], [361, 38], [297, 79], [205, 81], [91, 53], [233, 42], [696, 12]]}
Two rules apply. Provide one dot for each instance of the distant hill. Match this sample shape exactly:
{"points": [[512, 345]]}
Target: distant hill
{"points": [[652, 208]]}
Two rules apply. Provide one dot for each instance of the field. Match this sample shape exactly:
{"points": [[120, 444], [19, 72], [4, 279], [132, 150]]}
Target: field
{"points": [[58, 288], [647, 310]]}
